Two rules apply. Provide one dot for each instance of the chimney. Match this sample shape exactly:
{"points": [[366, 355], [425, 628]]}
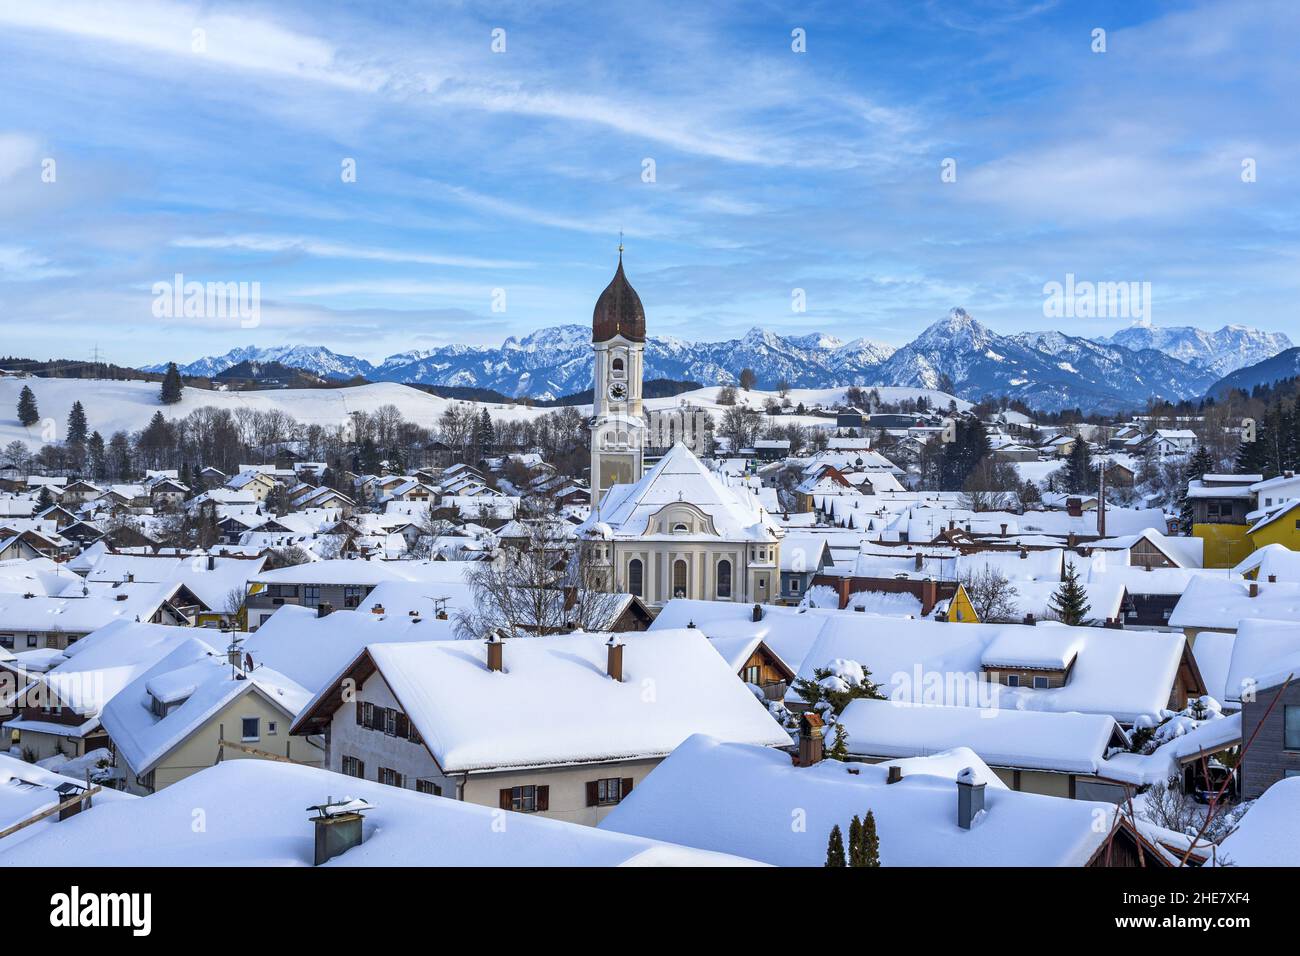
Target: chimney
{"points": [[1074, 507], [378, 609], [1024, 553], [920, 559], [811, 733], [758, 612], [235, 657], [1254, 589], [130, 577], [614, 658], [324, 609], [338, 828], [895, 774], [495, 651], [1029, 619], [1071, 540], [929, 596], [970, 799], [1272, 579], [1004, 530], [212, 563]]}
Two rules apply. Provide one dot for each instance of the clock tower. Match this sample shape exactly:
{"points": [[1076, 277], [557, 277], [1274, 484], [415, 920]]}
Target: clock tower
{"points": [[617, 427]]}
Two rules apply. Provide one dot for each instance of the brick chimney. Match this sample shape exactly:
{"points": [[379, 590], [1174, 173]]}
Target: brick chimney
{"points": [[811, 734], [495, 653], [929, 596], [614, 659], [1272, 579], [1254, 589], [920, 560], [970, 799], [758, 612], [1074, 507], [378, 609], [324, 609], [895, 774]]}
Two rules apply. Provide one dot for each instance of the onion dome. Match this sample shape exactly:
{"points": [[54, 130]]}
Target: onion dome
{"points": [[618, 310]]}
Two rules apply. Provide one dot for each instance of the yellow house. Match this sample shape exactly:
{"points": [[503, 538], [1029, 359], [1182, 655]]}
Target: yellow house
{"points": [[960, 608], [1281, 526], [197, 707]]}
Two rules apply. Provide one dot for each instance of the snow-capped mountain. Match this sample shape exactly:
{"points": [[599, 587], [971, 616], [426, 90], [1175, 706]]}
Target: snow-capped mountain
{"points": [[1230, 348], [1048, 370], [1283, 365], [311, 358]]}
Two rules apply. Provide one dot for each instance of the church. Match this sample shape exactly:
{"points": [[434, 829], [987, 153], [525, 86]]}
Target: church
{"points": [[676, 529]]}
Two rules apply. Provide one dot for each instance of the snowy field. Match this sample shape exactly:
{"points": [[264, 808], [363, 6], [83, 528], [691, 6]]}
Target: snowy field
{"points": [[128, 405]]}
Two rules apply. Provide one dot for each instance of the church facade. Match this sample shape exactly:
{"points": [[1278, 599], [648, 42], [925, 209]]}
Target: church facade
{"points": [[677, 529]]}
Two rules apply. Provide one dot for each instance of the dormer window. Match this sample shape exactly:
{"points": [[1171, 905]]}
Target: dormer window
{"points": [[680, 528]]}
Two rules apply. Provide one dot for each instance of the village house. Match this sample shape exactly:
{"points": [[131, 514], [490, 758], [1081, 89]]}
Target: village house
{"points": [[548, 725]]}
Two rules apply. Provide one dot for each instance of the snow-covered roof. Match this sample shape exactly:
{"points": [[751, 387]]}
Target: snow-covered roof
{"points": [[100, 665], [679, 476], [553, 702], [1015, 566], [254, 816], [916, 817], [1115, 672], [1184, 551], [1273, 559], [1264, 654], [1024, 739], [1220, 602], [26, 790], [198, 679], [1269, 834], [75, 614]]}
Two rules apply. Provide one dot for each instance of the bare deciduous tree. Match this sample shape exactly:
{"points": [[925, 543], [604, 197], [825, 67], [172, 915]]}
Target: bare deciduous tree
{"points": [[991, 594]]}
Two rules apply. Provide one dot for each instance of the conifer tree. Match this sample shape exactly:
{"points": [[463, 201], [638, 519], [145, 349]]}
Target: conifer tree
{"points": [[171, 385], [96, 456], [855, 841], [77, 427], [839, 745], [28, 415], [835, 848], [870, 854], [1070, 602]]}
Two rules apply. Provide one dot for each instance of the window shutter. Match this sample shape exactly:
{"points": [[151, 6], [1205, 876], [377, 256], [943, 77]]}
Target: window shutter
{"points": [[593, 795], [626, 789], [361, 769], [403, 725], [361, 713], [506, 801], [543, 798]]}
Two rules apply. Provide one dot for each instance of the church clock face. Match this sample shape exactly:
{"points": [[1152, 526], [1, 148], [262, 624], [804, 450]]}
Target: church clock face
{"points": [[618, 392]]}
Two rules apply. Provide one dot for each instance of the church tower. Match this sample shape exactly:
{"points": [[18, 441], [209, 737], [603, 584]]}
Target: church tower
{"points": [[617, 427]]}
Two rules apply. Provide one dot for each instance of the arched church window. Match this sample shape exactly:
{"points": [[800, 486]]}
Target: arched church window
{"points": [[724, 578], [618, 365], [679, 578], [635, 572]]}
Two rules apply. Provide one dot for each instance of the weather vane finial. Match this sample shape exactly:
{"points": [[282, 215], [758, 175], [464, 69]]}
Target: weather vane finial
{"points": [[620, 243]]}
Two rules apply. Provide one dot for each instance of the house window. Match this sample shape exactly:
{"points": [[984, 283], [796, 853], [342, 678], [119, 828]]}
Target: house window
{"points": [[1041, 683], [1013, 680], [390, 777], [794, 584], [251, 728], [31, 640], [311, 594], [352, 767], [753, 674], [635, 574], [531, 799], [606, 792], [428, 786], [7, 640], [352, 596], [679, 578], [724, 578], [1291, 733], [270, 728]]}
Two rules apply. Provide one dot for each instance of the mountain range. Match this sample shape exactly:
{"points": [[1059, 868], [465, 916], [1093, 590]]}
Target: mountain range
{"points": [[1046, 370]]}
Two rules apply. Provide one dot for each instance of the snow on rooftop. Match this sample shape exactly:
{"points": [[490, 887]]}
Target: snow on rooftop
{"points": [[1026, 739], [254, 814], [1264, 654], [198, 679], [1269, 834], [1222, 603], [916, 818], [555, 704]]}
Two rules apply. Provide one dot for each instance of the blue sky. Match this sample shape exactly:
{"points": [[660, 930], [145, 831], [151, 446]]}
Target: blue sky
{"points": [[774, 170]]}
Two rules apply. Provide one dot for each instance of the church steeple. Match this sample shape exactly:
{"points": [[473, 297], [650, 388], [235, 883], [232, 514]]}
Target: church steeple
{"points": [[618, 310]]}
